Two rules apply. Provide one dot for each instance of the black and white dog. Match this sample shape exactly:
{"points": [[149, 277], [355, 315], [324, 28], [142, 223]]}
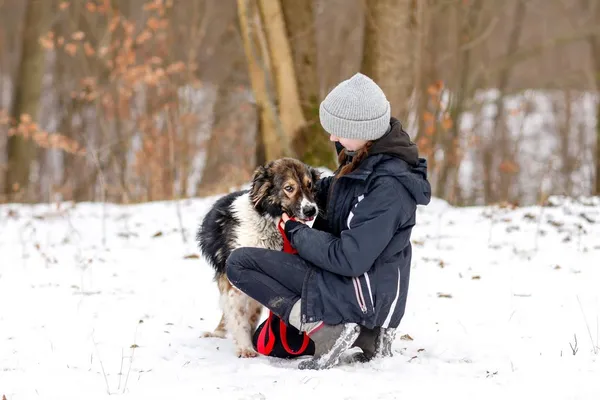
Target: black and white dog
{"points": [[249, 218]]}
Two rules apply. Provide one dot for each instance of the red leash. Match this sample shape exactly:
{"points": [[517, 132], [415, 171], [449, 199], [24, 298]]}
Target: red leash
{"points": [[266, 348], [287, 246]]}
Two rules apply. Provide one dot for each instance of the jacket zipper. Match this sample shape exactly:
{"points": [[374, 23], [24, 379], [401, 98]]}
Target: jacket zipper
{"points": [[360, 298]]}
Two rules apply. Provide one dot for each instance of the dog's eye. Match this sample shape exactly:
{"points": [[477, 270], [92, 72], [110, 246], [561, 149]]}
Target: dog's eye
{"points": [[289, 188], [309, 185]]}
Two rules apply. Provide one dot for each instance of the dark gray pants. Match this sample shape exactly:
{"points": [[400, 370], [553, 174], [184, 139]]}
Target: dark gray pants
{"points": [[271, 277]]}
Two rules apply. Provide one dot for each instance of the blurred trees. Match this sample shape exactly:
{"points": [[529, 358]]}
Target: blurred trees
{"points": [[25, 100], [138, 100], [388, 49]]}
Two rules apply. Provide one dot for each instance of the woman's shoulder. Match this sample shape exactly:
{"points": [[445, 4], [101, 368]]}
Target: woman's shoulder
{"points": [[387, 164]]}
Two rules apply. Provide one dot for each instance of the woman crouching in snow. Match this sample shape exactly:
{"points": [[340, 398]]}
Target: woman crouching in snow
{"points": [[348, 284]]}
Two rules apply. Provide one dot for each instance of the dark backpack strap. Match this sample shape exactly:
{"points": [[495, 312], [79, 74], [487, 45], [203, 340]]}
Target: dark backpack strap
{"points": [[262, 347], [284, 342]]}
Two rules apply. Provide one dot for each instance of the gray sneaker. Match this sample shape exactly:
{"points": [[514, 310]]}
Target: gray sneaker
{"points": [[331, 341]]}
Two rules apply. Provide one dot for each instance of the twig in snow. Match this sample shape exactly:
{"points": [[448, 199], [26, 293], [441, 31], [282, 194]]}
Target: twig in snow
{"points": [[574, 348], [103, 188], [101, 365], [580, 230], [597, 348], [594, 345], [542, 200], [537, 229], [491, 228], [133, 347], [121, 370], [22, 240], [177, 194]]}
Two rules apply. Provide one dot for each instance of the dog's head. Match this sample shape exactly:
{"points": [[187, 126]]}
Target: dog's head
{"points": [[285, 185]]}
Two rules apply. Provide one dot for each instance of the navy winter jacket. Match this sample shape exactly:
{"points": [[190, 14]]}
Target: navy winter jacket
{"points": [[361, 250]]}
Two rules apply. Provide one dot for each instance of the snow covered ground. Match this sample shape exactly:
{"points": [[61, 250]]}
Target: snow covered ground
{"points": [[110, 300]]}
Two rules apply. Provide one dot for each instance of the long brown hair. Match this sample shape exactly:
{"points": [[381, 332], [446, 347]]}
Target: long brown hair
{"points": [[359, 156]]}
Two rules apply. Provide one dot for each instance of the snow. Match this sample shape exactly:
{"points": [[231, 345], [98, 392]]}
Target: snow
{"points": [[497, 298]]}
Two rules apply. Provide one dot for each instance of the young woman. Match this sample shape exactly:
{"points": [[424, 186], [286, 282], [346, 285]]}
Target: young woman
{"points": [[352, 269]]}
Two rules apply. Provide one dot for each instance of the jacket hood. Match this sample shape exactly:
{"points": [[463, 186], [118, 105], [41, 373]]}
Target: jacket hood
{"points": [[417, 184], [396, 143]]}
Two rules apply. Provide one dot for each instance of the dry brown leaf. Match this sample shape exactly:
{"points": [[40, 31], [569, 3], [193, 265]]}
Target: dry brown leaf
{"points": [[89, 50], [79, 35], [71, 49], [447, 122]]}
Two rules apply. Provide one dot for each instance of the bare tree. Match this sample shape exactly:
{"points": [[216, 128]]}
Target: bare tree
{"points": [[261, 38], [594, 42], [388, 50], [26, 101], [231, 149], [507, 164], [311, 143], [468, 26]]}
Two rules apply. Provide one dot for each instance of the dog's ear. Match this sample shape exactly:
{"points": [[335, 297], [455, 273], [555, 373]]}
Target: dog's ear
{"points": [[315, 174], [261, 183]]}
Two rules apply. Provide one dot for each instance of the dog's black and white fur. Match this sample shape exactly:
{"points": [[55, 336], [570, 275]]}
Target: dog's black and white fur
{"points": [[249, 218]]}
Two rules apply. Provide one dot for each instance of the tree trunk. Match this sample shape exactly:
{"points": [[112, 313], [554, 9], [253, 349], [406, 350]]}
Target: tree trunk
{"points": [[311, 143], [592, 9], [595, 48], [507, 157], [465, 28], [282, 65], [274, 141], [231, 151], [26, 100], [388, 50], [426, 78], [596, 191]]}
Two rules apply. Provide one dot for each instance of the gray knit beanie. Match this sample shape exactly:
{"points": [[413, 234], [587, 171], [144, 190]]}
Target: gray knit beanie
{"points": [[356, 109]]}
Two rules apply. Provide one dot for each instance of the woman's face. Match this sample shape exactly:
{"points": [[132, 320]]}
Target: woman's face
{"points": [[350, 144]]}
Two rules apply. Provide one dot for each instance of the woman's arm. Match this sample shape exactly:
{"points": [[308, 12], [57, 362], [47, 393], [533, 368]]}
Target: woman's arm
{"points": [[374, 222]]}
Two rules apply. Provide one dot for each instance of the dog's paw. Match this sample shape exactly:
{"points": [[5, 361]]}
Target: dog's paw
{"points": [[214, 334], [246, 353]]}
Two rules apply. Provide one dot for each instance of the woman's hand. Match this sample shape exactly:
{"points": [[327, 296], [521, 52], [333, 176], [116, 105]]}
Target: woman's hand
{"points": [[285, 218]]}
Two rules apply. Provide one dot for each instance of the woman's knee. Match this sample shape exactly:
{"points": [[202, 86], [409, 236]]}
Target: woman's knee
{"points": [[234, 264], [238, 260]]}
